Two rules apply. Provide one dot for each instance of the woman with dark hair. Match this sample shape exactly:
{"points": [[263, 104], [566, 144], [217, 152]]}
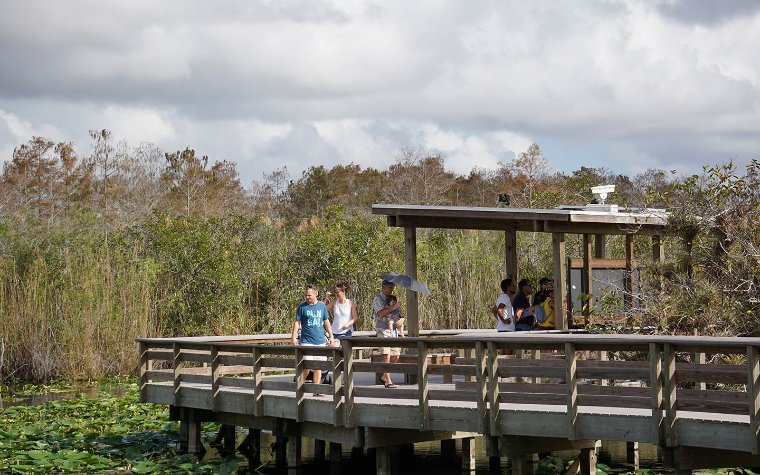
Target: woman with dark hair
{"points": [[344, 312]]}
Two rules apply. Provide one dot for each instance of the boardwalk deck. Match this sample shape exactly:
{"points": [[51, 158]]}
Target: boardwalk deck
{"points": [[565, 399]]}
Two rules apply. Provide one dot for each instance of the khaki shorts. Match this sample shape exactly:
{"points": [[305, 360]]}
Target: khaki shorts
{"points": [[387, 350]]}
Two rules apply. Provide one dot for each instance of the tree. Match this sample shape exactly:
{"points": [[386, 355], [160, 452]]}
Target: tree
{"points": [[418, 177]]}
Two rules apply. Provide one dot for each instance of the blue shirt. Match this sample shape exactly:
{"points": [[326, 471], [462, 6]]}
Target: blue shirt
{"points": [[311, 317]]}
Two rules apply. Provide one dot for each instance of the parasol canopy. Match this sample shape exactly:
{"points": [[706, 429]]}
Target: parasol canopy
{"points": [[406, 281]]}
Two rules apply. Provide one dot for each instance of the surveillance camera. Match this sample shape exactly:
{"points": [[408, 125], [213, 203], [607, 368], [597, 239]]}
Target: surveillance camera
{"points": [[602, 191]]}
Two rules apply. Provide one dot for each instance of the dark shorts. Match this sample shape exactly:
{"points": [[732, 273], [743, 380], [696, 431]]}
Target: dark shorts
{"points": [[343, 336]]}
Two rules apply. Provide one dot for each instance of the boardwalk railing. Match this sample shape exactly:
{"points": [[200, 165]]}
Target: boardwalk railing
{"points": [[649, 388]]}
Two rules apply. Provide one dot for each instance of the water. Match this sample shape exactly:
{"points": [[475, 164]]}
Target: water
{"points": [[427, 459]]}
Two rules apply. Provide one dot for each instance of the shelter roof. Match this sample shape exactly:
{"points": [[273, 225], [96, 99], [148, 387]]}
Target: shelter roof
{"points": [[574, 220]]}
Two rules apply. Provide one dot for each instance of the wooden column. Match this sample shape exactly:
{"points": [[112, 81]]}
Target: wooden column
{"points": [[628, 281], [294, 452], [658, 256], [410, 267], [753, 392], [510, 254], [336, 452], [600, 247], [670, 392], [449, 448], [422, 384], [656, 383], [468, 454], [146, 365], [571, 370], [383, 461], [587, 276], [588, 461], [560, 285], [319, 450], [281, 451]]}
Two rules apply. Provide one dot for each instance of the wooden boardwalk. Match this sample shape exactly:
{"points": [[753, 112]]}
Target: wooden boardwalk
{"points": [[696, 397]]}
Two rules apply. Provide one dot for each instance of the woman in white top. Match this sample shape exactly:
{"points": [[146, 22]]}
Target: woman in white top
{"points": [[344, 312]]}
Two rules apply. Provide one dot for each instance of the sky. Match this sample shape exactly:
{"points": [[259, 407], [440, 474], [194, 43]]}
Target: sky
{"points": [[624, 84]]}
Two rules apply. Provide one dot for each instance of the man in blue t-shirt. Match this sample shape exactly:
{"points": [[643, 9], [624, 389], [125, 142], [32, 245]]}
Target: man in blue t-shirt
{"points": [[313, 320]]}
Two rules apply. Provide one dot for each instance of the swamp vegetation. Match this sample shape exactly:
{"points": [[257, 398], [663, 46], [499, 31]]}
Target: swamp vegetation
{"points": [[124, 242]]}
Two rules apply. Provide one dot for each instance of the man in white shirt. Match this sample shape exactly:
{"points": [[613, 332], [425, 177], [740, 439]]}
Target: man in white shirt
{"points": [[503, 310]]}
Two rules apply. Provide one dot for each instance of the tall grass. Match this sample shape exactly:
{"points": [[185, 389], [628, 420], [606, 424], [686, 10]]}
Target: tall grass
{"points": [[75, 318]]}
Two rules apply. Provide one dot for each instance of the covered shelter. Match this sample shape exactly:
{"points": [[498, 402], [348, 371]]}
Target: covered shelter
{"points": [[593, 222]]}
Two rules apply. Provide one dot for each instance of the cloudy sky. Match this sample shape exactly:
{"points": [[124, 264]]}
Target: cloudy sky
{"points": [[625, 84]]}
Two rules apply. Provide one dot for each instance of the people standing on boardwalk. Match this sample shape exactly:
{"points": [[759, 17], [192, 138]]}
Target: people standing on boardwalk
{"points": [[381, 311], [313, 321], [547, 305], [344, 312], [545, 284], [503, 310], [521, 306]]}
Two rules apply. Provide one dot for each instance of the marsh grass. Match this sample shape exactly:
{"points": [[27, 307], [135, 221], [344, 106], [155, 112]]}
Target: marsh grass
{"points": [[75, 317]]}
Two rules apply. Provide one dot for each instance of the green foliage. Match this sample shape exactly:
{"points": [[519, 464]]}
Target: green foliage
{"points": [[107, 434]]}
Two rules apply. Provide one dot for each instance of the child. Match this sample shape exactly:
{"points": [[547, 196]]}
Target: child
{"points": [[395, 319]]}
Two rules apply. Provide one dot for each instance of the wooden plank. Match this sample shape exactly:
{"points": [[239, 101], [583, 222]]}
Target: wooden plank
{"points": [[235, 360], [160, 375], [300, 380], [284, 363], [214, 378], [571, 360], [367, 367], [481, 374], [410, 266], [510, 254], [669, 391], [753, 395], [422, 382], [600, 246], [493, 390], [586, 274], [560, 286], [337, 387], [348, 367], [629, 269], [177, 363], [656, 381], [158, 355], [258, 389]]}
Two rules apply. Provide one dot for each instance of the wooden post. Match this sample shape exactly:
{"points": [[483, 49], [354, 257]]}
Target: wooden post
{"points": [[410, 265], [632, 454], [258, 385], [560, 286], [177, 362], [336, 452], [299, 400], [700, 358], [587, 275], [294, 452], [215, 378], [753, 392], [319, 450], [422, 383], [481, 378], [337, 383], [603, 356], [600, 246], [383, 461], [493, 389], [588, 461], [519, 464], [629, 267], [281, 451], [655, 382], [571, 362], [494, 457], [146, 365], [348, 387], [468, 454], [669, 390], [194, 441], [510, 254], [251, 448], [658, 256]]}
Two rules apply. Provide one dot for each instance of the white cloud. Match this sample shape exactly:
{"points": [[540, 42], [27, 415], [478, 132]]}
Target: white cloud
{"points": [[302, 83]]}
